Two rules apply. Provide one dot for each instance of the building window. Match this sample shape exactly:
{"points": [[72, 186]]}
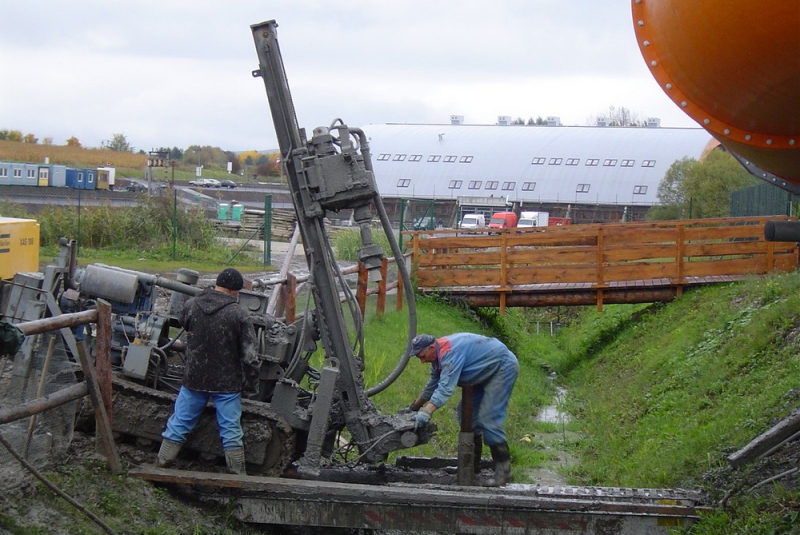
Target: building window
{"points": [[31, 173], [403, 182], [17, 173], [4, 172], [528, 186], [609, 162], [434, 158], [450, 159], [556, 161], [649, 163], [415, 158], [538, 161], [592, 162], [384, 157], [80, 178], [573, 161], [492, 184], [639, 190], [582, 188], [455, 184], [509, 186], [627, 163], [475, 184], [399, 157], [465, 159]]}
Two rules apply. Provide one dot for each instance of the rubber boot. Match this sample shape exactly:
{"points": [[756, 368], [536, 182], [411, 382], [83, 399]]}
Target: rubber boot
{"points": [[478, 451], [167, 453], [234, 458], [502, 466]]}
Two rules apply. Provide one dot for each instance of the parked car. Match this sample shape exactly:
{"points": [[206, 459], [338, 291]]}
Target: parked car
{"points": [[228, 184], [205, 182], [136, 187], [427, 223]]}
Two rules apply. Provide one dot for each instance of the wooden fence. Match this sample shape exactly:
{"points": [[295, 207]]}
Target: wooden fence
{"points": [[587, 264]]}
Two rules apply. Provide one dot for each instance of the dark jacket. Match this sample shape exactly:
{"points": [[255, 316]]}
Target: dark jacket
{"points": [[221, 350]]}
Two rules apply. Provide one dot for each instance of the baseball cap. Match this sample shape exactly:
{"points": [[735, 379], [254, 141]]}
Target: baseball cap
{"points": [[420, 342]]}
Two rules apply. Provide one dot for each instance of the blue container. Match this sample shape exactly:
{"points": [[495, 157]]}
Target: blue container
{"points": [[81, 178]]}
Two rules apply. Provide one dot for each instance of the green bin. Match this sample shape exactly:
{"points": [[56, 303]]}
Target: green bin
{"points": [[222, 211], [237, 211]]}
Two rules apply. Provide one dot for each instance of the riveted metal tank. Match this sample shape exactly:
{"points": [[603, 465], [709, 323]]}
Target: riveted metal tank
{"points": [[734, 67]]}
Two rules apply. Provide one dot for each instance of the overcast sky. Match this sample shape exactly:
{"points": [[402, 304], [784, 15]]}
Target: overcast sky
{"points": [[178, 72]]}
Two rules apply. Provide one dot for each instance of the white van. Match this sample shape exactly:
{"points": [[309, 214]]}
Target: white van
{"points": [[470, 221], [533, 219]]}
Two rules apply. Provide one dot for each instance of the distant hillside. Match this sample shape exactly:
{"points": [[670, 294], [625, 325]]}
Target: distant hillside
{"points": [[16, 151]]}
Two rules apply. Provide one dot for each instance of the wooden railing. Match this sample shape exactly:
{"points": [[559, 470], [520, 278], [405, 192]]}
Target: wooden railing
{"points": [[599, 259], [291, 285]]}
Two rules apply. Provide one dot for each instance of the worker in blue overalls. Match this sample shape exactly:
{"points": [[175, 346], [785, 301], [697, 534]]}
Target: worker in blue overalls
{"points": [[492, 369]]}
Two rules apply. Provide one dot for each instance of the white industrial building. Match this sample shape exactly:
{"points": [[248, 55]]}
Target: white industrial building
{"points": [[596, 173]]}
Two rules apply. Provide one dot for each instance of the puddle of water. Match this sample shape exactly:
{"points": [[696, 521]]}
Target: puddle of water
{"points": [[552, 413]]}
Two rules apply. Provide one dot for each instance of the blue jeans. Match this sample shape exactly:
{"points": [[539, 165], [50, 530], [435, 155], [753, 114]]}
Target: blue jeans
{"points": [[189, 406], [490, 403]]}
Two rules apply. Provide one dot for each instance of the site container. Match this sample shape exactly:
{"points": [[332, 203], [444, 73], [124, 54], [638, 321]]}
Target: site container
{"points": [[19, 246]]}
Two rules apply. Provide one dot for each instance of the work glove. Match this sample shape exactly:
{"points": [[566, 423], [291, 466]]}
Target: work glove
{"points": [[422, 417]]}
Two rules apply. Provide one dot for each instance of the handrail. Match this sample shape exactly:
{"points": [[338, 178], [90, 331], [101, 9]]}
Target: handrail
{"points": [[598, 257]]}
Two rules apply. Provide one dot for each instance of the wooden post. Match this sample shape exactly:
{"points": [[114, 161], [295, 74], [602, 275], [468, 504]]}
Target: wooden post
{"points": [[399, 300], [382, 287], [290, 298], [103, 354], [361, 290], [103, 426]]}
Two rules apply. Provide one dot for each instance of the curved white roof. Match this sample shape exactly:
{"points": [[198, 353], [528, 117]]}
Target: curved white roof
{"points": [[551, 164]]}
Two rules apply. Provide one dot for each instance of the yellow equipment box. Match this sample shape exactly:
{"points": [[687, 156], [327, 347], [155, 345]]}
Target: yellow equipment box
{"points": [[19, 246]]}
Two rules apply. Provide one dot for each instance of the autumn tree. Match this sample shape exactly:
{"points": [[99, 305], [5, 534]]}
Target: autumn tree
{"points": [[47, 141], [117, 143], [10, 135], [74, 142], [30, 138]]}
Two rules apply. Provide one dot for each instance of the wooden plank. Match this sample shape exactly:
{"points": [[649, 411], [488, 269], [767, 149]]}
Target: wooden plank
{"points": [[739, 266], [620, 253], [629, 235]]}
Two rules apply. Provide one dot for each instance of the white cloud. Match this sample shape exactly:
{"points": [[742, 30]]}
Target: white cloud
{"points": [[177, 72]]}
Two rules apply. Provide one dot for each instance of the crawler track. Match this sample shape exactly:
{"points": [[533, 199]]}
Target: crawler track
{"points": [[142, 412]]}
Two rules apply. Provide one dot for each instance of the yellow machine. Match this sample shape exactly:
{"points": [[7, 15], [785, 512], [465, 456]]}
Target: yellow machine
{"points": [[19, 246]]}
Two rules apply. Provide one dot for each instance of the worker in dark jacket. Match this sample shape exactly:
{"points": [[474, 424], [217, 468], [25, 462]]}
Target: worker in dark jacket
{"points": [[487, 364], [220, 358]]}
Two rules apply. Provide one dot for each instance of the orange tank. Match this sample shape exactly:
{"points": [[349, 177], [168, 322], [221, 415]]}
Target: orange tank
{"points": [[734, 67]]}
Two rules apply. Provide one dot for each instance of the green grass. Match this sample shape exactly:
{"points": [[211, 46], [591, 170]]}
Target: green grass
{"points": [[662, 394], [385, 340]]}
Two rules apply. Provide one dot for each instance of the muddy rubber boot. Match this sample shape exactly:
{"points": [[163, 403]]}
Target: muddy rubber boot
{"points": [[234, 458], [478, 451], [167, 453], [502, 467]]}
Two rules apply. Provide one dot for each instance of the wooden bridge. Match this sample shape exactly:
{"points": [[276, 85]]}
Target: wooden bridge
{"points": [[594, 264]]}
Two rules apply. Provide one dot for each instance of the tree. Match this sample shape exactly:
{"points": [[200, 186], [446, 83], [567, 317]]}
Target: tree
{"points": [[30, 138], [711, 183], [74, 142], [47, 141], [14, 135], [118, 143], [700, 189]]}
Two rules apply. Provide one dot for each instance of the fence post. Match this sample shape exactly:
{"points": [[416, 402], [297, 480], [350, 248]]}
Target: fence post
{"points": [[399, 301], [290, 298], [361, 290], [382, 287], [103, 354]]}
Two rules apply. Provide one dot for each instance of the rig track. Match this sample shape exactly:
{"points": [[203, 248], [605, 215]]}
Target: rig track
{"points": [[428, 508]]}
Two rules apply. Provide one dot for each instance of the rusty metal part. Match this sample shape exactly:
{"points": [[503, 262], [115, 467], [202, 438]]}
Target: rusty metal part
{"points": [[434, 508], [269, 440]]}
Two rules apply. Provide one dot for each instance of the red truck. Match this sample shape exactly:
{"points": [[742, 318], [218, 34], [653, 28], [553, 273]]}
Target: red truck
{"points": [[503, 220]]}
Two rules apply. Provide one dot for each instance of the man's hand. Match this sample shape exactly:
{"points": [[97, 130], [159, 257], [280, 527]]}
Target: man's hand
{"points": [[422, 417]]}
